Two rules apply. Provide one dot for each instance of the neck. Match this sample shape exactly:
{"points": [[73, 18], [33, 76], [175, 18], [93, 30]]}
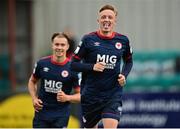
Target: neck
{"points": [[59, 59], [107, 34]]}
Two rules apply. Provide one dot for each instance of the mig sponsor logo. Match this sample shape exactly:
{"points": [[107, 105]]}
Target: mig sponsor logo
{"points": [[52, 86], [110, 60]]}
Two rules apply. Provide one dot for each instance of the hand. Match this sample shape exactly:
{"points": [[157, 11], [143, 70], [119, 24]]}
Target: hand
{"points": [[38, 104], [99, 66], [121, 80], [62, 97]]}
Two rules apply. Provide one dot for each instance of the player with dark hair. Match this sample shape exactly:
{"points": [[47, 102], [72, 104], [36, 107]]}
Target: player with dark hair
{"points": [[52, 102], [99, 57]]}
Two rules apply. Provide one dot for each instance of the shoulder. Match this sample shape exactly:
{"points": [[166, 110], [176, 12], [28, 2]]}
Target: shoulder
{"points": [[122, 37], [87, 38], [44, 59], [89, 35]]}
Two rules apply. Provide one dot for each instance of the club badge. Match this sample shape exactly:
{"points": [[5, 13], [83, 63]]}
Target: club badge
{"points": [[118, 45], [64, 73]]}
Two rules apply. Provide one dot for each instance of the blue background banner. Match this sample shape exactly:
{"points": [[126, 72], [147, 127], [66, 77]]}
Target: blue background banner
{"points": [[157, 110]]}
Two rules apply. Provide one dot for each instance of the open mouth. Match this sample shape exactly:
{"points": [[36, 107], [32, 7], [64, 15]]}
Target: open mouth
{"points": [[106, 25]]}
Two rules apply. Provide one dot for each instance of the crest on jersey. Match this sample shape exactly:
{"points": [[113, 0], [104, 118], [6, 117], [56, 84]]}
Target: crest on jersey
{"points": [[64, 73], [118, 45]]}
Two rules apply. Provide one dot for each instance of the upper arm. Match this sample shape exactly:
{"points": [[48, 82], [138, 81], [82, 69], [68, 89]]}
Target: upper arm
{"points": [[36, 74], [32, 82], [81, 50], [77, 89], [33, 79], [75, 82], [36, 70], [127, 55]]}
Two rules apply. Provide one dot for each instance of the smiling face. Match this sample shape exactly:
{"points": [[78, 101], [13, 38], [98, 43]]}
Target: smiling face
{"points": [[107, 21], [60, 46]]}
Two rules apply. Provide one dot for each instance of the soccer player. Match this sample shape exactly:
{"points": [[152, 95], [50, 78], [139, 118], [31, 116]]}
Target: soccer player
{"points": [[52, 102], [98, 57]]}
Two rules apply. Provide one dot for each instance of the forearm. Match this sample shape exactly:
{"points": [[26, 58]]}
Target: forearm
{"points": [[32, 87], [127, 66], [81, 67], [74, 98]]}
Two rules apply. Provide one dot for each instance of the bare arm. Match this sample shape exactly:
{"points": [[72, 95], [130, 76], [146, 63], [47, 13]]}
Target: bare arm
{"points": [[32, 87]]}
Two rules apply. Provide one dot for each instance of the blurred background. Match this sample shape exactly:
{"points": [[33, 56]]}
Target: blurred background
{"points": [[152, 94]]}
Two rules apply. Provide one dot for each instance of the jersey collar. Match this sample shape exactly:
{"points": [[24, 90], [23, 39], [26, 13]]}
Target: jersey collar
{"points": [[59, 63], [105, 37]]}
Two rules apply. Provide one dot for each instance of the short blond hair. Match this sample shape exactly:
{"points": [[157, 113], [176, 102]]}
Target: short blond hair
{"points": [[108, 7]]}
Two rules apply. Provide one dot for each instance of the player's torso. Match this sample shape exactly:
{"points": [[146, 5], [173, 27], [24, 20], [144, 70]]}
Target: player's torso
{"points": [[55, 77], [109, 51]]}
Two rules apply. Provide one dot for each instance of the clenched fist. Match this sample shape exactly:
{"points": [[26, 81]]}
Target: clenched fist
{"points": [[121, 80]]}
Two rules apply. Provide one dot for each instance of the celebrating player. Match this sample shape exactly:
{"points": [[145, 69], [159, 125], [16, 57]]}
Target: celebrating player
{"points": [[52, 102], [98, 57]]}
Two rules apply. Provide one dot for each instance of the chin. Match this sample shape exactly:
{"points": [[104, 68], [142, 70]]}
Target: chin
{"points": [[105, 31], [59, 56]]}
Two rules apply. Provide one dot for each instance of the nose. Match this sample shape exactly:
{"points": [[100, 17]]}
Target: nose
{"points": [[59, 47], [106, 18]]}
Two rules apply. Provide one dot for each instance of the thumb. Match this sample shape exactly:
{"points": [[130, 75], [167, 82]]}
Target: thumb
{"points": [[60, 90], [40, 101], [120, 75]]}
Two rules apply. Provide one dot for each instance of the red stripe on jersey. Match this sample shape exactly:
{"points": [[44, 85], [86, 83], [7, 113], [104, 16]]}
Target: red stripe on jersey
{"points": [[59, 63], [77, 57], [104, 36], [46, 57]]}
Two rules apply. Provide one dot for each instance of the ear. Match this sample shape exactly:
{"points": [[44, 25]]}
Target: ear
{"points": [[98, 20], [52, 45], [115, 20], [68, 46]]}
